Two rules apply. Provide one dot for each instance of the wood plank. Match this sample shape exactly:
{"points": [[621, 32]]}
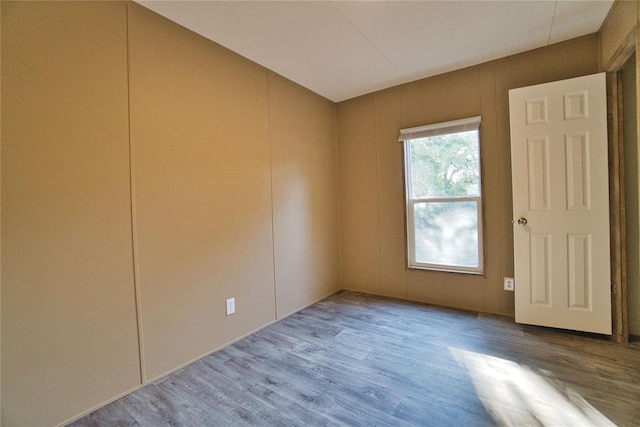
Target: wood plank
{"points": [[358, 360]]}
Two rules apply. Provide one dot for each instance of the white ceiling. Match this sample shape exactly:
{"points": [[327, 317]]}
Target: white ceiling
{"points": [[343, 49]]}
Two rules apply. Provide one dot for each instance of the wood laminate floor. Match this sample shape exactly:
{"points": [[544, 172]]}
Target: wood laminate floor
{"points": [[360, 360]]}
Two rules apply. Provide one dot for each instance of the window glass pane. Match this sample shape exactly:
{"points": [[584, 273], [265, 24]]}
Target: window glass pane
{"points": [[445, 166], [446, 233]]}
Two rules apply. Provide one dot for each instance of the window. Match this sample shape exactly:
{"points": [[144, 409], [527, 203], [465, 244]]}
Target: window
{"points": [[444, 196]]}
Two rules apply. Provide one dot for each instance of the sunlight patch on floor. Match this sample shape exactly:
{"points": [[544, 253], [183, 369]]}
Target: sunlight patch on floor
{"points": [[516, 395]]}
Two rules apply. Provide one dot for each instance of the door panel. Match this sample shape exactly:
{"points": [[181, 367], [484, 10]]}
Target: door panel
{"points": [[540, 254], [560, 186], [579, 271], [577, 172], [538, 159]]}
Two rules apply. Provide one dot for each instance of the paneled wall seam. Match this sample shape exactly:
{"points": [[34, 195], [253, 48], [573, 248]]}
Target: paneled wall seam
{"points": [[273, 213], [499, 260], [500, 181], [134, 228], [484, 205], [405, 246], [375, 138], [336, 145]]}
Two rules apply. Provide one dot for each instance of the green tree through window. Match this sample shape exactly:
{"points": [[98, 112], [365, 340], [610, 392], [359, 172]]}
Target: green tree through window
{"points": [[446, 165]]}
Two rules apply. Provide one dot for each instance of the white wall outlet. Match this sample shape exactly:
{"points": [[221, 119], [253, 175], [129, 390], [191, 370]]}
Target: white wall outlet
{"points": [[231, 306], [509, 283]]}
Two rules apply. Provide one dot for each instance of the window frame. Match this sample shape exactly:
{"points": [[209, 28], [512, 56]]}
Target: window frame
{"points": [[444, 128]]}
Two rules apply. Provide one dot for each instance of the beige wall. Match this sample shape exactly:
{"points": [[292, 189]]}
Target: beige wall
{"points": [[371, 182], [200, 133], [69, 337], [234, 186], [305, 197]]}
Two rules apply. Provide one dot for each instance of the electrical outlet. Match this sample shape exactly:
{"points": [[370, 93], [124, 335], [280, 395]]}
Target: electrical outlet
{"points": [[231, 306], [509, 283]]}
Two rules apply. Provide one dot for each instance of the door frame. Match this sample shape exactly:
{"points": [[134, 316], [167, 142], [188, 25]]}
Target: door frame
{"points": [[615, 129]]}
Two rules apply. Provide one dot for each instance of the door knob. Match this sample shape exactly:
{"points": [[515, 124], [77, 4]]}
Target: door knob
{"points": [[522, 221]]}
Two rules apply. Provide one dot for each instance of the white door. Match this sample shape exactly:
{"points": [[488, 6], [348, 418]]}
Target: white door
{"points": [[561, 204]]}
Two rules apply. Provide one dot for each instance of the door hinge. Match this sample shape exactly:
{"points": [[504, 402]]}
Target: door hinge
{"points": [[613, 288]]}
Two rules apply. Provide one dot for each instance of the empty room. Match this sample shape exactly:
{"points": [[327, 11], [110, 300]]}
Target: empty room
{"points": [[335, 213]]}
